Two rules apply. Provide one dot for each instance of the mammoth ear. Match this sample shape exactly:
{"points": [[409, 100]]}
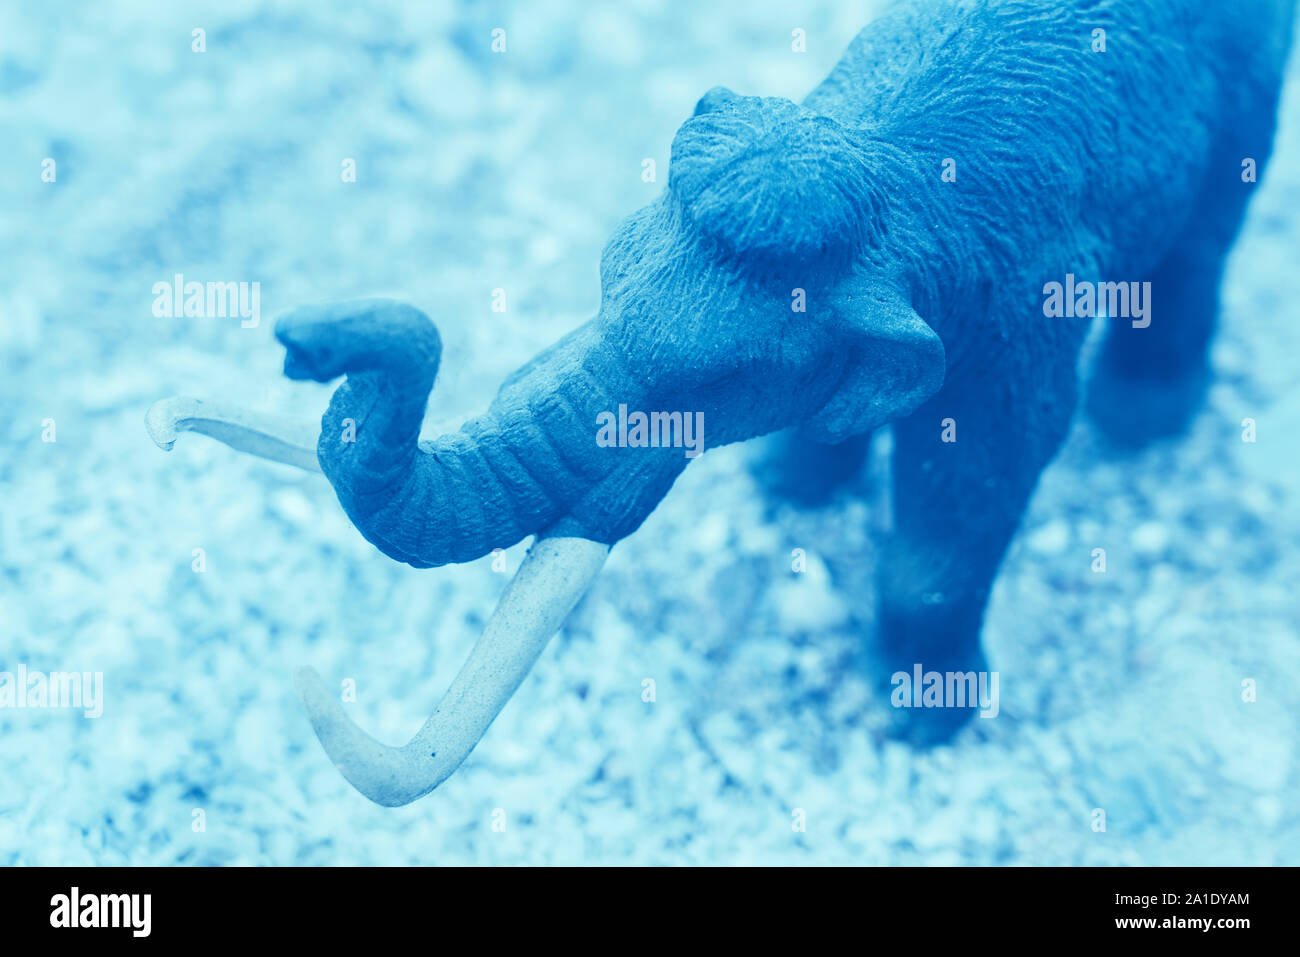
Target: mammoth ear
{"points": [[894, 363]]}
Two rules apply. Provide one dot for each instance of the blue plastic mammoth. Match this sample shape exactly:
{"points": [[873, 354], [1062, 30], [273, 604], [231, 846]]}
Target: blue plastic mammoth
{"points": [[925, 237]]}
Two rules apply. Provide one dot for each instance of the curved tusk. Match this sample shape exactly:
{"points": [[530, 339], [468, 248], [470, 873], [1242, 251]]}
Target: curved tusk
{"points": [[279, 438], [554, 575]]}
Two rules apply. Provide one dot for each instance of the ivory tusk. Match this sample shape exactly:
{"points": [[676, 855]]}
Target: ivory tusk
{"points": [[279, 438], [553, 576]]}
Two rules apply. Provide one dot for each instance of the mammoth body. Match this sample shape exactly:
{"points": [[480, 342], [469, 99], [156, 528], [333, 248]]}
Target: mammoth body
{"points": [[962, 156]]}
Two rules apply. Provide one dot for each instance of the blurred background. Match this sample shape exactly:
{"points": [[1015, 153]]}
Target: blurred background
{"points": [[478, 171]]}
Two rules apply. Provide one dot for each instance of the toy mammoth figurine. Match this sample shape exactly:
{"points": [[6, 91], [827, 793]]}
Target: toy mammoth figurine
{"points": [[885, 252]]}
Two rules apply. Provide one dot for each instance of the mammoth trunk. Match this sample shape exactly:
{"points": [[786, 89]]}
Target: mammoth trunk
{"points": [[509, 473]]}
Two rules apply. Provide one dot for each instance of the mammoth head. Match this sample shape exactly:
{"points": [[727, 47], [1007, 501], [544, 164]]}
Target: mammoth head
{"points": [[773, 183], [756, 286], [751, 296]]}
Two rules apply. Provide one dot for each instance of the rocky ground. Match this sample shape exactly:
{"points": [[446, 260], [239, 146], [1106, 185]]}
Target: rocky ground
{"points": [[1120, 691]]}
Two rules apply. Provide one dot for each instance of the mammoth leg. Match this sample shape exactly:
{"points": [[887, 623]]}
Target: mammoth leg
{"points": [[794, 467], [1149, 382], [957, 504]]}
